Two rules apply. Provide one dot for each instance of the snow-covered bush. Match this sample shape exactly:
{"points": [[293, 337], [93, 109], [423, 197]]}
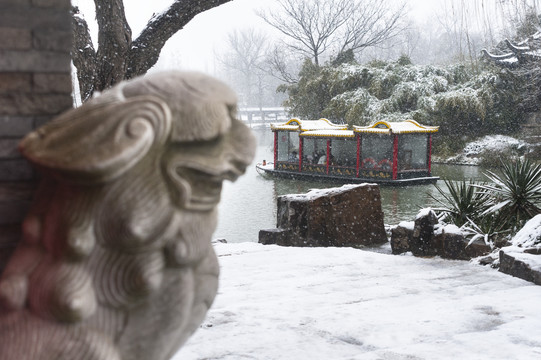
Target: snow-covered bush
{"points": [[461, 102]]}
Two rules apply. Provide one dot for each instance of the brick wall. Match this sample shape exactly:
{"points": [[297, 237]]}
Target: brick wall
{"points": [[35, 85]]}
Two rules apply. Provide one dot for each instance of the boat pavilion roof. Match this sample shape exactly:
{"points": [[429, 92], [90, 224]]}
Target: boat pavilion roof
{"points": [[403, 127], [308, 125], [329, 133]]}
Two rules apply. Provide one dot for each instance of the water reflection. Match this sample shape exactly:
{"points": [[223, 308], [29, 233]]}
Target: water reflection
{"points": [[250, 204]]}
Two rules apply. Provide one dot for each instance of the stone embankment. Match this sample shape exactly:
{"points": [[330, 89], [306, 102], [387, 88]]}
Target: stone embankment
{"points": [[426, 237]]}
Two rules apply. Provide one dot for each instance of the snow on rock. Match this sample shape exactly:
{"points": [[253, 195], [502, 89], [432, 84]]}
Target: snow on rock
{"points": [[342, 303], [523, 258], [530, 235], [496, 143], [317, 193], [447, 229], [424, 212], [407, 224], [490, 143]]}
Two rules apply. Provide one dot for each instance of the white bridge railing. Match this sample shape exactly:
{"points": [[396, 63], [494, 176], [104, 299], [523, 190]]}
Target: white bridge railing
{"points": [[257, 117]]}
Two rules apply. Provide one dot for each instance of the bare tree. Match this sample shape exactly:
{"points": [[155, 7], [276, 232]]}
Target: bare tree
{"points": [[247, 63], [283, 65], [245, 60], [317, 26], [119, 57]]}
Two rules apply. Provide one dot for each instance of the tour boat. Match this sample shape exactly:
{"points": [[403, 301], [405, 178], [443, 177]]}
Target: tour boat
{"points": [[394, 153]]}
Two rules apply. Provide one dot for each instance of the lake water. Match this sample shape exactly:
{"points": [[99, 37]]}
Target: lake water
{"points": [[249, 204]]}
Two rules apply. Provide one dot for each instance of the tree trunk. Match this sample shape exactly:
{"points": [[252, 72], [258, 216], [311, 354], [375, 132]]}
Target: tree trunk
{"points": [[118, 57]]}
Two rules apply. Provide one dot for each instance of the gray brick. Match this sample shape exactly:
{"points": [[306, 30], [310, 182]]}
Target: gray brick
{"points": [[10, 236], [13, 212], [52, 40], [15, 170], [41, 120], [4, 3], [59, 4], [52, 83], [17, 191], [34, 104], [10, 82], [15, 126], [15, 39], [8, 149], [20, 16], [34, 61]]}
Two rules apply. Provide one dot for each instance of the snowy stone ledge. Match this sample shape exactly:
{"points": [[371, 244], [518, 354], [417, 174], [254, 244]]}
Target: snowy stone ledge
{"points": [[278, 303], [523, 258]]}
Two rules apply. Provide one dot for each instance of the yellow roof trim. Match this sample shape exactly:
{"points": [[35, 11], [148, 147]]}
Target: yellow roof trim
{"points": [[403, 127], [307, 125], [329, 133]]}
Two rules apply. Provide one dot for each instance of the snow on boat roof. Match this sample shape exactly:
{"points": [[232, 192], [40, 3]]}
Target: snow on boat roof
{"points": [[308, 125], [329, 133], [403, 127]]}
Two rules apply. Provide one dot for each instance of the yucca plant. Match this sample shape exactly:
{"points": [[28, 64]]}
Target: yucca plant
{"points": [[462, 203], [515, 193], [488, 227]]}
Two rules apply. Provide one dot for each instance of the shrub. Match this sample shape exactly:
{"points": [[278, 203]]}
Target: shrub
{"points": [[515, 192]]}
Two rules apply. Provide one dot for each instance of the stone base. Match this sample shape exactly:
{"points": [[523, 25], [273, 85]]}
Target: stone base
{"points": [[347, 216], [519, 265]]}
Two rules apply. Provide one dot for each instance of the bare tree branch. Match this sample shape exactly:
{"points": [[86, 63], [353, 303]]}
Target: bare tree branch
{"points": [[371, 25], [317, 26], [310, 25], [146, 49], [117, 57], [114, 42], [279, 66], [83, 54]]}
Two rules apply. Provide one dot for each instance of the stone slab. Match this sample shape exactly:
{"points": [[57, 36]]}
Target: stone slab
{"points": [[517, 265]]}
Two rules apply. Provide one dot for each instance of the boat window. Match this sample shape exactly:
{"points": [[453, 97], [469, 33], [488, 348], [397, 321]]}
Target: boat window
{"points": [[314, 149], [288, 146], [412, 151], [344, 152], [377, 152]]}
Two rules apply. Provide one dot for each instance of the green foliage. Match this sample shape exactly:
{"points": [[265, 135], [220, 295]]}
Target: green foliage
{"points": [[310, 95], [461, 102], [345, 57], [491, 209], [515, 193], [404, 60], [462, 202]]}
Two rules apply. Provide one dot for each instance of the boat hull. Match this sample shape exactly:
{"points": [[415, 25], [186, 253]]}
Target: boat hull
{"points": [[269, 171]]}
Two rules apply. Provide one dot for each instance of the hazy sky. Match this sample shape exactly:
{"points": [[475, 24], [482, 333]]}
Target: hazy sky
{"points": [[195, 46]]}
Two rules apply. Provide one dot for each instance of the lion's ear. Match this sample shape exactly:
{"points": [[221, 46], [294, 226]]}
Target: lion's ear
{"points": [[100, 140]]}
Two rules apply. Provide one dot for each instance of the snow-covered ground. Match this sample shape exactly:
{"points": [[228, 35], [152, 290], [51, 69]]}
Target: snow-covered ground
{"points": [[342, 303]]}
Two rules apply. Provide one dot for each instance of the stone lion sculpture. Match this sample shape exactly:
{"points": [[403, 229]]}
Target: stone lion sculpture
{"points": [[115, 260]]}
